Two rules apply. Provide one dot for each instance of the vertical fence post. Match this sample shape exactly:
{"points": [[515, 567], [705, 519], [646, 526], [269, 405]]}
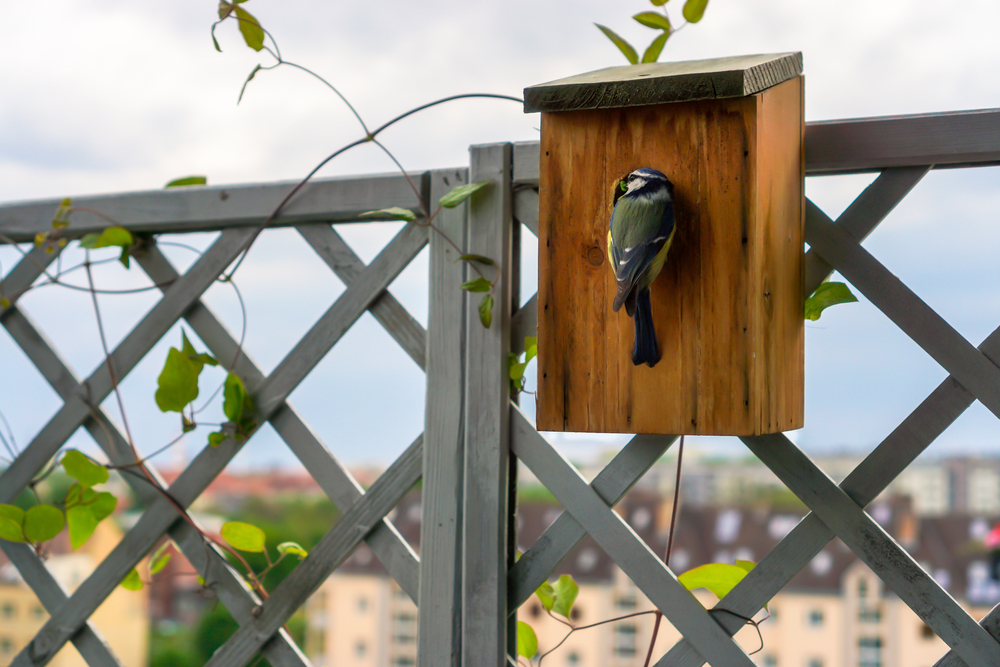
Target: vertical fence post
{"points": [[440, 626], [487, 403]]}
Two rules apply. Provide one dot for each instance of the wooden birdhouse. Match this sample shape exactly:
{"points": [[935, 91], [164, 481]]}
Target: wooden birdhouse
{"points": [[728, 305]]}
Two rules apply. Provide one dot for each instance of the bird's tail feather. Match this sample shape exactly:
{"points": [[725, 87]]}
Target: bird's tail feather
{"points": [[646, 349]]}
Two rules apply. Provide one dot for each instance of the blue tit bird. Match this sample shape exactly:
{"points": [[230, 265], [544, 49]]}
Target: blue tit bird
{"points": [[639, 236]]}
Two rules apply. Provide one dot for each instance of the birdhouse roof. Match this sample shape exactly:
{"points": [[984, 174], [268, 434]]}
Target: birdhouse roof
{"points": [[659, 83]]}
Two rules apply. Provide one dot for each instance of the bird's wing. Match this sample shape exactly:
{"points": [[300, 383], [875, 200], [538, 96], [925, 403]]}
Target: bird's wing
{"points": [[634, 246]]}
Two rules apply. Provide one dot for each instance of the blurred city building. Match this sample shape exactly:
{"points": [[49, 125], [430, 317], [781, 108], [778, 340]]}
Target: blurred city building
{"points": [[122, 620]]}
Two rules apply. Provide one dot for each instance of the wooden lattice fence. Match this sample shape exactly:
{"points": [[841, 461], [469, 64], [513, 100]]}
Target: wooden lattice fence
{"points": [[465, 581]]}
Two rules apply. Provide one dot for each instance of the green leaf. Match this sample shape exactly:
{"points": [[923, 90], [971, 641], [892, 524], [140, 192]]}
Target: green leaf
{"points": [[225, 9], [720, 578], [460, 193], [655, 48], [746, 564], [653, 20], [292, 548], [253, 34], [43, 522], [547, 595], [826, 295], [527, 640], [111, 236], [393, 213], [83, 470], [243, 536], [622, 45], [132, 581], [694, 10], [486, 310], [566, 590], [215, 42], [479, 284], [201, 581], [253, 73], [83, 518], [515, 368], [657, 3], [530, 348], [237, 403], [217, 438], [178, 382], [60, 219], [11, 522], [477, 258], [157, 564], [187, 180]]}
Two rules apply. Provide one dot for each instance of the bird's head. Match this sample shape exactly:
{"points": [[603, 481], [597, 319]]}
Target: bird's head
{"points": [[646, 183]]}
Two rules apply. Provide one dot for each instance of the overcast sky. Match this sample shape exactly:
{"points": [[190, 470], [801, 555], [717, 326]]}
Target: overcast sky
{"points": [[112, 96]]}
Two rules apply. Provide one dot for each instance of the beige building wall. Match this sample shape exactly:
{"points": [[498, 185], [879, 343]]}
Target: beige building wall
{"points": [[366, 621], [123, 618]]}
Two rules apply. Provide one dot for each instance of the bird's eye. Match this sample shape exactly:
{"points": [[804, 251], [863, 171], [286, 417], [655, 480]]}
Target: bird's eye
{"points": [[631, 177]]}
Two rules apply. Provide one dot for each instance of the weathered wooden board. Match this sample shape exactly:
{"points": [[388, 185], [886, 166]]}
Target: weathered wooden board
{"points": [[727, 306], [657, 83]]}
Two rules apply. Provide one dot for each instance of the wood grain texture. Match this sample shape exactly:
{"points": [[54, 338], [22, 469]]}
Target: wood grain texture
{"points": [[440, 627], [656, 83], [218, 207], [956, 139], [727, 306], [487, 404]]}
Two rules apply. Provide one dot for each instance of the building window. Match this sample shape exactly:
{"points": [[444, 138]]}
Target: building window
{"points": [[38, 611], [360, 649], [9, 610], [573, 658], [862, 588], [815, 662], [926, 632], [575, 614], [404, 628], [362, 604], [816, 617], [6, 646], [535, 610], [770, 660], [403, 661], [626, 602], [870, 652], [870, 614], [624, 642]]}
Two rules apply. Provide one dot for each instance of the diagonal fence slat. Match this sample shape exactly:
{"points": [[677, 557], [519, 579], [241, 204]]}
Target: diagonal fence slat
{"points": [[611, 484], [391, 314], [177, 298], [628, 551], [864, 214], [897, 451], [918, 320], [335, 322], [88, 641], [870, 542], [207, 465], [386, 542], [325, 557], [227, 584]]}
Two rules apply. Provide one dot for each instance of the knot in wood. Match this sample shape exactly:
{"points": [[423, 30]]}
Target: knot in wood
{"points": [[595, 256]]}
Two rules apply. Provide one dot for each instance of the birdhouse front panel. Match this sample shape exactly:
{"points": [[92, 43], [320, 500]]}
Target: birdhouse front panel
{"points": [[727, 307]]}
